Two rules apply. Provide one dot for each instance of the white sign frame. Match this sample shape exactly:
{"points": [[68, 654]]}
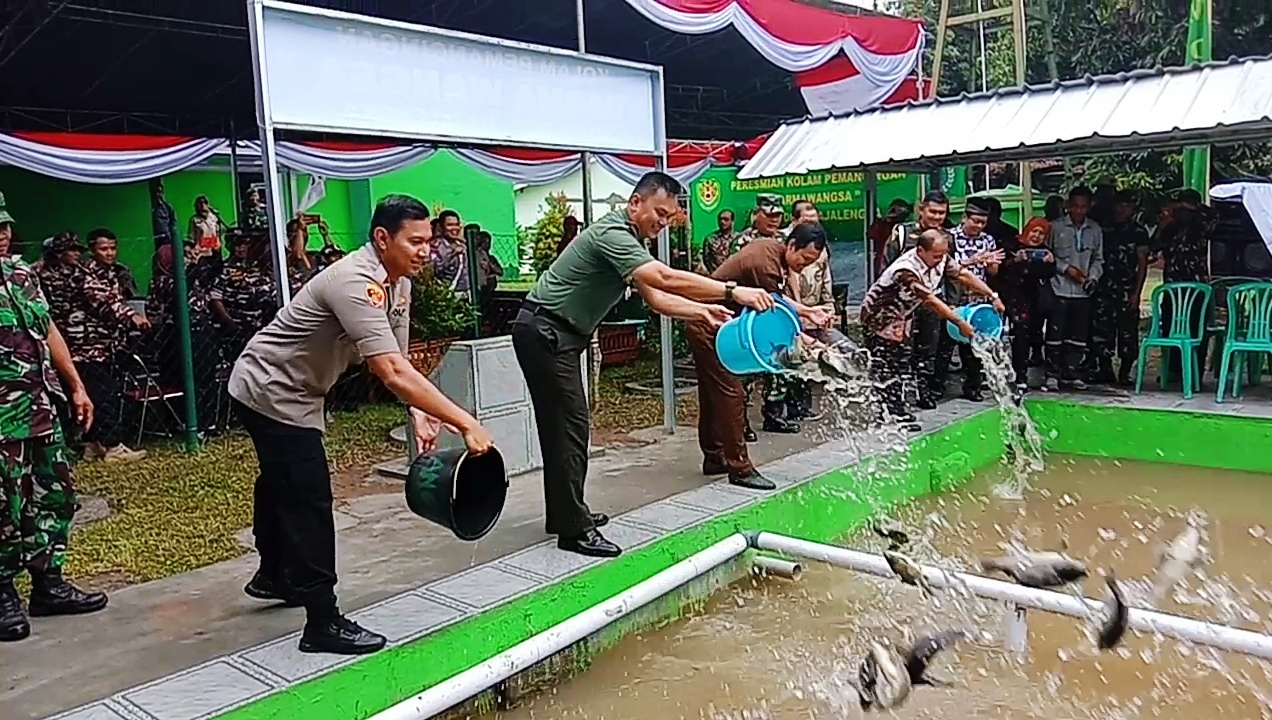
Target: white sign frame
{"points": [[268, 125]]}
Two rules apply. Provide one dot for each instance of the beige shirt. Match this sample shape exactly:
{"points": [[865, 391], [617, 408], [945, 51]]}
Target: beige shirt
{"points": [[343, 315]]}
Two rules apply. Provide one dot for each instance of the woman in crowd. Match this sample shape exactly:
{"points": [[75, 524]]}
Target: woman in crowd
{"points": [[1025, 284]]}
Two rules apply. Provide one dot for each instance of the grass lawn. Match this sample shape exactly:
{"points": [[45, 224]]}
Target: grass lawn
{"points": [[175, 512]]}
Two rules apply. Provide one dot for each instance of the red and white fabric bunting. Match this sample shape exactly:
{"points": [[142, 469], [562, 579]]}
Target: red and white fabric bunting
{"points": [[105, 159], [349, 161], [531, 167], [839, 88]]}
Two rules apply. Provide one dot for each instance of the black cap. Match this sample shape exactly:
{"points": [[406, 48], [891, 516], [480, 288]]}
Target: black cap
{"points": [[976, 206]]}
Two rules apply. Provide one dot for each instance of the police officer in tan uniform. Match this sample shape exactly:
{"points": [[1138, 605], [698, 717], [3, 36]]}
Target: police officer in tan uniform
{"points": [[356, 311]]}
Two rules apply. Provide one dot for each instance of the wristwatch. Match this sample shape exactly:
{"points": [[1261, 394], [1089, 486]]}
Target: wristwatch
{"points": [[728, 290]]}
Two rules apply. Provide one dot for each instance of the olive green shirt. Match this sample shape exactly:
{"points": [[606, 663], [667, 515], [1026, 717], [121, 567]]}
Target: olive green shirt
{"points": [[590, 276], [345, 314]]}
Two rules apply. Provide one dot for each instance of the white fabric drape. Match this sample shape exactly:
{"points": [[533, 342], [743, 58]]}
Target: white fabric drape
{"points": [[105, 167], [630, 172], [530, 172], [348, 164], [882, 70]]}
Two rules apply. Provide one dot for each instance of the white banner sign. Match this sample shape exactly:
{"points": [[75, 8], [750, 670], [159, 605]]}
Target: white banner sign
{"points": [[342, 73]]}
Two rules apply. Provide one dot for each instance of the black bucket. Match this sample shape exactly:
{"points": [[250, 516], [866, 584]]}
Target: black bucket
{"points": [[463, 493]]}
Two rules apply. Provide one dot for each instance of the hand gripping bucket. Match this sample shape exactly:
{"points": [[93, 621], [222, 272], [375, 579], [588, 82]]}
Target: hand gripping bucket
{"points": [[461, 492], [751, 343], [983, 318]]}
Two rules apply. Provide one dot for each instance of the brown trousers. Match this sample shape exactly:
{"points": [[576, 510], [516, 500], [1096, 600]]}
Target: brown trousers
{"points": [[721, 404]]}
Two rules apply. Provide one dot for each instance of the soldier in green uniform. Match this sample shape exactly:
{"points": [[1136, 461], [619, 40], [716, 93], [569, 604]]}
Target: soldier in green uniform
{"points": [[718, 246], [766, 224], [37, 485], [1116, 312]]}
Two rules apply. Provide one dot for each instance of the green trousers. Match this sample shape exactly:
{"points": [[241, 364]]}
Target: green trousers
{"points": [[37, 504]]}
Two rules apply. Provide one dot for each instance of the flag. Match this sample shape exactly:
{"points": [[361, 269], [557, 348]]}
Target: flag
{"points": [[1199, 50]]}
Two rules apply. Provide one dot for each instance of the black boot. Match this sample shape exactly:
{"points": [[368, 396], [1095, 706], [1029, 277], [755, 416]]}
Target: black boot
{"points": [[52, 595], [775, 420], [264, 587], [338, 635], [13, 622]]}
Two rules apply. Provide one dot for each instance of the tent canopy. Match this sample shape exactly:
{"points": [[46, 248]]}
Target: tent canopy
{"points": [[183, 67], [1141, 110]]}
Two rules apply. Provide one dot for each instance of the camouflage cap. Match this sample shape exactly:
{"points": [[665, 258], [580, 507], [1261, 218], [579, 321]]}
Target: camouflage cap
{"points": [[62, 242], [5, 217], [769, 204]]}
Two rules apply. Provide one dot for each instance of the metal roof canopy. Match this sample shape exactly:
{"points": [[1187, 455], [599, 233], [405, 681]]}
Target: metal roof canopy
{"points": [[1214, 103]]}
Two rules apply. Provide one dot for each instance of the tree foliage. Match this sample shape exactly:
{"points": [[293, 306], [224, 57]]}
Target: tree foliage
{"points": [[549, 230], [1101, 37]]}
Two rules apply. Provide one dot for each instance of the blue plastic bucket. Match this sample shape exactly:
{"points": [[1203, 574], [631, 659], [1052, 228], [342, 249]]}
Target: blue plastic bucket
{"points": [[751, 343], [984, 319]]}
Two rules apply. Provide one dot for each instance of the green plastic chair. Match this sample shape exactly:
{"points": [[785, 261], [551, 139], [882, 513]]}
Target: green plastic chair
{"points": [[1249, 332], [1184, 297]]}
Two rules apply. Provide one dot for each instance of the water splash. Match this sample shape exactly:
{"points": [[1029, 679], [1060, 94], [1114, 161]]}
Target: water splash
{"points": [[1020, 434]]}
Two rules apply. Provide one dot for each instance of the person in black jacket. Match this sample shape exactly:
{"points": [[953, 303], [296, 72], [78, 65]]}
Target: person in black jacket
{"points": [[1024, 283]]}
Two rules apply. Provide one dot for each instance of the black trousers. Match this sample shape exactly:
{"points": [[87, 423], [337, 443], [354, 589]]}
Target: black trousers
{"points": [[890, 364], [292, 518], [110, 416], [926, 343], [973, 371], [1068, 323], [1027, 341], [550, 355]]}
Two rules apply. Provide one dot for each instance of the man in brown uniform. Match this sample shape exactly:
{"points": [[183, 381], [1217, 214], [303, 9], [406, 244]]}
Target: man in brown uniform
{"points": [[358, 310], [765, 264]]}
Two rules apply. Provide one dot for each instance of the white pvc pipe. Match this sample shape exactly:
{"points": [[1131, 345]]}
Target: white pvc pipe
{"points": [[461, 687], [1195, 631], [778, 567]]}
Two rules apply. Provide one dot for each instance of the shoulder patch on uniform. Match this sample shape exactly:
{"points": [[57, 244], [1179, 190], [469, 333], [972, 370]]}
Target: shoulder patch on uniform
{"points": [[375, 294]]}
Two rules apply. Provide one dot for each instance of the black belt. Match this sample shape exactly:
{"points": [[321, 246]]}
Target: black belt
{"points": [[535, 308]]}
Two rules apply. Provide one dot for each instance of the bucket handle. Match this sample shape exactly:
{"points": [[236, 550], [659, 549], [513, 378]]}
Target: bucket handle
{"points": [[460, 464]]}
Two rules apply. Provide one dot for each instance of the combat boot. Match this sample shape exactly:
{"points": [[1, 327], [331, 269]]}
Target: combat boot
{"points": [[52, 595], [775, 420], [13, 622]]}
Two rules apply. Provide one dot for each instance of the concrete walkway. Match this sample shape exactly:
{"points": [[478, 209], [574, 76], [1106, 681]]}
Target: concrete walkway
{"points": [[163, 627]]}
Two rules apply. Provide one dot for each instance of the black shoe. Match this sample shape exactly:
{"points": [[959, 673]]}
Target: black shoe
{"points": [[974, 395], [911, 426], [905, 417], [796, 411], [263, 587], [711, 469], [926, 403], [778, 425], [600, 519], [14, 625], [749, 435], [339, 636], [591, 544], [52, 595], [752, 481]]}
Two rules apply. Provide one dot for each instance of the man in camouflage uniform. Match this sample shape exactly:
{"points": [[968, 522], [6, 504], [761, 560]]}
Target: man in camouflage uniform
{"points": [[245, 296], [766, 224], [37, 488], [104, 248], [926, 335], [93, 319], [1182, 242], [718, 246], [1116, 313]]}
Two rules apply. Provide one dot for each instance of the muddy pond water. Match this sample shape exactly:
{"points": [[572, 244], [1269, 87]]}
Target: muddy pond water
{"points": [[777, 649]]}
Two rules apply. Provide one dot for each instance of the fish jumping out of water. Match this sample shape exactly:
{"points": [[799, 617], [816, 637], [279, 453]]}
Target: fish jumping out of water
{"points": [[910, 572], [1044, 573], [1018, 549], [884, 680], [1179, 557], [891, 531], [1117, 616]]}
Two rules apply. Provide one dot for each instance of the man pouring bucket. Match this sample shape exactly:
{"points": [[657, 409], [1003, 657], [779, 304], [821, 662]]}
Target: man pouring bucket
{"points": [[356, 311]]}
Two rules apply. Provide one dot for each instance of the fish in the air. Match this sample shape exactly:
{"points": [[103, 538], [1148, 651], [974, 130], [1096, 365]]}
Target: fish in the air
{"points": [[882, 680], [926, 648], [891, 531], [1178, 558], [1117, 616], [1044, 573], [904, 567]]}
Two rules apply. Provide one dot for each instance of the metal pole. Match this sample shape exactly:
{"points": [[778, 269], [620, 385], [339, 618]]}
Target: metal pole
{"points": [[1221, 637], [664, 252], [180, 300], [871, 201], [594, 343], [1018, 46], [269, 156], [237, 202]]}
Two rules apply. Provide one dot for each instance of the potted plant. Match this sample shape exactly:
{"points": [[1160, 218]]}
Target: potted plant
{"points": [[439, 317]]}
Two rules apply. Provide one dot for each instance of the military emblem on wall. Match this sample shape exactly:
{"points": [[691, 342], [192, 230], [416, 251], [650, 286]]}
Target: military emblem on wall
{"points": [[709, 192]]}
